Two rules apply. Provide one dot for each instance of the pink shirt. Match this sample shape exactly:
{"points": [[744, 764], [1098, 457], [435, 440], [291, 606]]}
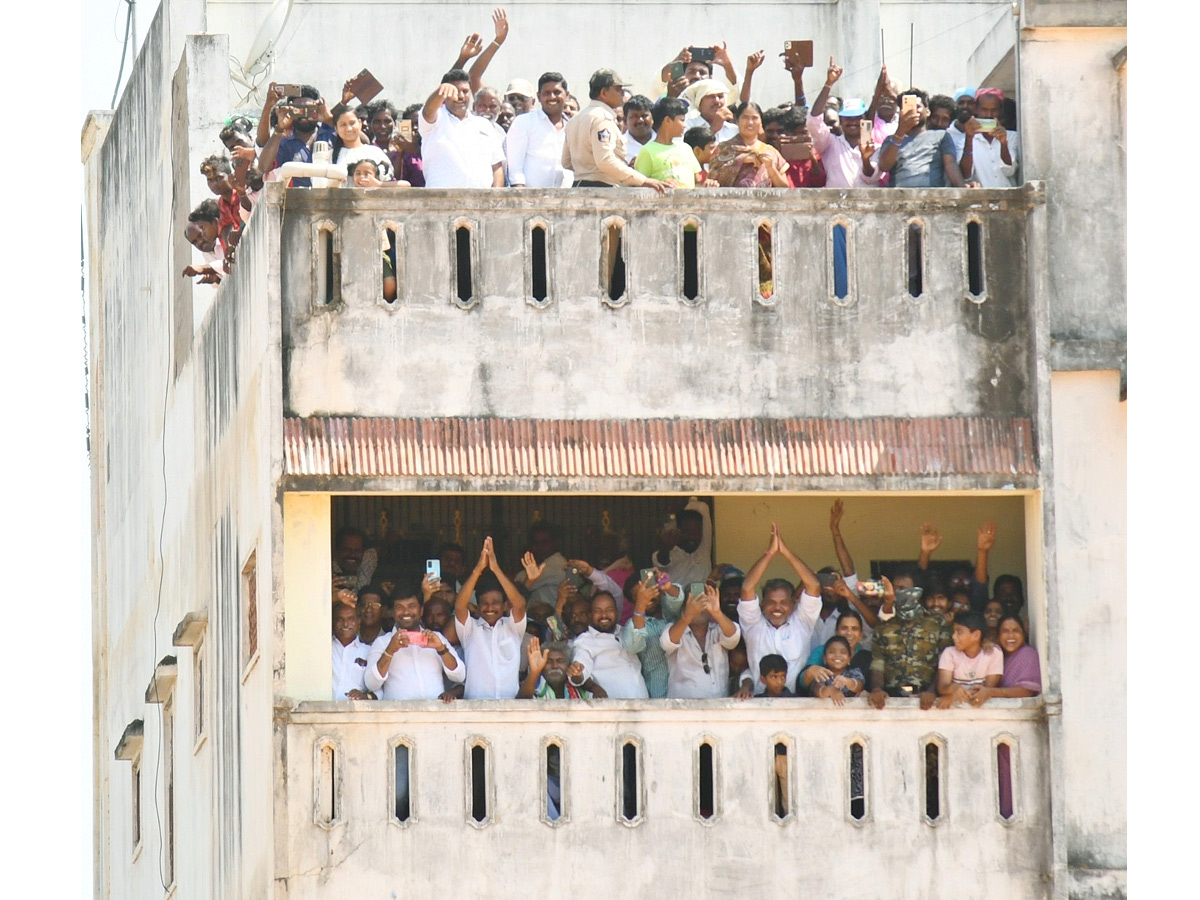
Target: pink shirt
{"points": [[972, 670], [843, 162]]}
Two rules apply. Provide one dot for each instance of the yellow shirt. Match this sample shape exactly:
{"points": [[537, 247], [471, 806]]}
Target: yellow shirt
{"points": [[595, 150]]}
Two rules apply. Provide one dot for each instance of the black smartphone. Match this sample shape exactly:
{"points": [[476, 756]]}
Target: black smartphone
{"points": [[701, 54]]}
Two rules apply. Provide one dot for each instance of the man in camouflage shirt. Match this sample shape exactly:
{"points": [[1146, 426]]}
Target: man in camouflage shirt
{"points": [[905, 652]]}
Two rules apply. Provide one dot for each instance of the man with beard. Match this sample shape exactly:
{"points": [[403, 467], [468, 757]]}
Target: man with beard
{"points": [[353, 564], [602, 656], [408, 662], [549, 668], [298, 124], [905, 651], [686, 551]]}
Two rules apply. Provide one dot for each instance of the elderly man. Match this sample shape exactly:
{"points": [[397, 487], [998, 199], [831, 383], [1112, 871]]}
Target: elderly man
{"points": [[707, 101], [594, 149], [458, 149], [849, 157], [520, 94], [993, 148]]}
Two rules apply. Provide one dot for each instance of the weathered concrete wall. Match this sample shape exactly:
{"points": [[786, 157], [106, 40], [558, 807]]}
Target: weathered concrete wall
{"points": [[742, 852], [324, 43], [878, 352], [185, 456], [1078, 148], [1090, 608]]}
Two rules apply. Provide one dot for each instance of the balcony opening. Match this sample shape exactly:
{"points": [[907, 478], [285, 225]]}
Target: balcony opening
{"points": [[933, 801], [766, 268], [327, 800], [613, 261], [390, 284], [1004, 780], [975, 259], [462, 261], [691, 261], [554, 797], [325, 266], [539, 272], [403, 778], [841, 267], [858, 794], [479, 791], [705, 790], [780, 793], [629, 782], [916, 258]]}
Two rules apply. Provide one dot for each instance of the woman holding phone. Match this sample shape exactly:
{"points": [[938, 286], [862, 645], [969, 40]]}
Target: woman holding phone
{"points": [[746, 160]]}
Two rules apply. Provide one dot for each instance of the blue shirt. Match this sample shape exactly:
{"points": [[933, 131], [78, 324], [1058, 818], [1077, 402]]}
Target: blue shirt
{"points": [[296, 149]]}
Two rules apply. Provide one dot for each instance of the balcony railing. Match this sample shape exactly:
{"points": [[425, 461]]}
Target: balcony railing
{"points": [[729, 795], [704, 294]]}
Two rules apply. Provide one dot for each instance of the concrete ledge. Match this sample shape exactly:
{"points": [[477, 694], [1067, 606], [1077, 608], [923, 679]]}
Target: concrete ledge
{"points": [[163, 681], [190, 629], [130, 744], [1073, 13], [1096, 884], [1090, 356]]}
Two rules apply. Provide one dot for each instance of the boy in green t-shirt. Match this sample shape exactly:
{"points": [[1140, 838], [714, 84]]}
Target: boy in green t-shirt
{"points": [[662, 158]]}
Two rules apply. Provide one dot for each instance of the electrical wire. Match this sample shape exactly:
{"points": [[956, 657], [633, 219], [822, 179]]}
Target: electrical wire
{"points": [[124, 50]]}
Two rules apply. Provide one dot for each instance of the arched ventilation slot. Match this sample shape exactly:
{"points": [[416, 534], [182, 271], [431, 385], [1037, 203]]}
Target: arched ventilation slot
{"points": [[390, 281], [933, 781], [916, 259], [612, 263], [766, 261], [326, 774], [326, 268], [780, 783], [857, 782], [462, 264], [841, 264], [402, 772], [975, 259], [554, 799], [706, 781], [479, 784], [539, 264], [630, 805], [691, 260], [1004, 781]]}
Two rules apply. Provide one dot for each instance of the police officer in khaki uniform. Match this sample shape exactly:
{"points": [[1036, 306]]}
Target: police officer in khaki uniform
{"points": [[594, 148]]}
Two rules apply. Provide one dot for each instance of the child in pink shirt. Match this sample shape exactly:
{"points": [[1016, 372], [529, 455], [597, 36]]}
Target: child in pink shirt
{"points": [[968, 665]]}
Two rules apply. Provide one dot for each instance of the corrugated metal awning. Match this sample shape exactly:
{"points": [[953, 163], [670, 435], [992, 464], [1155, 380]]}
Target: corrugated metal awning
{"points": [[657, 448]]}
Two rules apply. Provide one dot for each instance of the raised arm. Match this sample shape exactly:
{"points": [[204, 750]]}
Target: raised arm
{"points": [[274, 95], [462, 603], [891, 146], [881, 87], [839, 545], [753, 61], [843, 590], [754, 576], [831, 77], [729, 628], [537, 663], [471, 47], [812, 585], [983, 545], [266, 159], [444, 92], [692, 608], [797, 80], [515, 598], [721, 58], [500, 20], [931, 539]]}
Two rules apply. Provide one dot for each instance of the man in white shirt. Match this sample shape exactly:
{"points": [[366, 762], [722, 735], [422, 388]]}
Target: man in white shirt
{"points": [[408, 662], [349, 656], [996, 150], [458, 149], [535, 139], [851, 158], [687, 558], [492, 643], [779, 624], [697, 648], [602, 657]]}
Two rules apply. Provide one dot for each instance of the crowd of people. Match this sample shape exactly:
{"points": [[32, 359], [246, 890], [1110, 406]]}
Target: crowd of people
{"points": [[670, 623], [466, 134]]}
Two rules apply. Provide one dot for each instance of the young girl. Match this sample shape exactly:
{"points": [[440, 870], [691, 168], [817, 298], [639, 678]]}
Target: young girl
{"points": [[843, 681], [364, 173]]}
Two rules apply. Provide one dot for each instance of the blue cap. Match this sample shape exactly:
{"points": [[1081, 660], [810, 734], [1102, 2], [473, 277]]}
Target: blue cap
{"points": [[964, 92], [852, 108]]}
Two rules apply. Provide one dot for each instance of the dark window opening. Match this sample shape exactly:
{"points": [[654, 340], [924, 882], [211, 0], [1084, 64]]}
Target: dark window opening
{"points": [[1004, 784], [975, 259], [538, 262], [554, 798], [915, 260], [858, 795], [326, 266], [933, 804], [841, 269], [614, 262], [403, 802], [137, 803], [479, 804], [704, 781], [780, 804], [691, 262], [766, 260], [462, 238], [390, 284], [327, 786], [629, 781]]}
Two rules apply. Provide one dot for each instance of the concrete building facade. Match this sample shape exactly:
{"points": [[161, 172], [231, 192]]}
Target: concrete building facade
{"points": [[231, 429]]}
